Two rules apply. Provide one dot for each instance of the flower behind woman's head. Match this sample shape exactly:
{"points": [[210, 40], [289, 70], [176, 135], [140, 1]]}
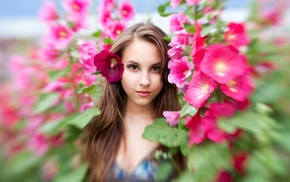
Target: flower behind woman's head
{"points": [[110, 65]]}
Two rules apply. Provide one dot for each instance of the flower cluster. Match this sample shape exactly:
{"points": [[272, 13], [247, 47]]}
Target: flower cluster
{"points": [[213, 75]]}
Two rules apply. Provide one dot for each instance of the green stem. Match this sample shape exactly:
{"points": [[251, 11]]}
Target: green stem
{"points": [[175, 165]]}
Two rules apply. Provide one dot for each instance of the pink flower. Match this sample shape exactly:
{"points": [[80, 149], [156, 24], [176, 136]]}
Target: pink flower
{"points": [[236, 35], [48, 53], [182, 39], [87, 51], [180, 69], [110, 65], [224, 176], [223, 63], [209, 126], [176, 22], [198, 47], [175, 3], [77, 9], [222, 109], [105, 17], [107, 4], [115, 29], [175, 52], [171, 117], [199, 89], [192, 2], [239, 88], [48, 11], [60, 36], [196, 134], [126, 10], [240, 161]]}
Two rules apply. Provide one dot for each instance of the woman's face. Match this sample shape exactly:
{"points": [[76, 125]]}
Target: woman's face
{"points": [[141, 79]]}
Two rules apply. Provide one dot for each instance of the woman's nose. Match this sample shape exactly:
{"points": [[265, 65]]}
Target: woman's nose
{"points": [[144, 80]]}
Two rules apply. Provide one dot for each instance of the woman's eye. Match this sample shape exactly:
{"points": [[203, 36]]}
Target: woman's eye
{"points": [[133, 67], [155, 68]]}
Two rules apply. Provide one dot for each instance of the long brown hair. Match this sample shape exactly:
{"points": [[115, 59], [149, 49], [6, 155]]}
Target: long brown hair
{"points": [[104, 133]]}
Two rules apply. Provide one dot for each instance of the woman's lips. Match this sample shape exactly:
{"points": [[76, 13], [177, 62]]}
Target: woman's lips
{"points": [[143, 93]]}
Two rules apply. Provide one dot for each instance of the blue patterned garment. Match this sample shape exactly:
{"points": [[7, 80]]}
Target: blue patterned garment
{"points": [[144, 171]]}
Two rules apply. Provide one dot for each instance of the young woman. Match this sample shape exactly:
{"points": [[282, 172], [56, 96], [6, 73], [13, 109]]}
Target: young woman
{"points": [[115, 149]]}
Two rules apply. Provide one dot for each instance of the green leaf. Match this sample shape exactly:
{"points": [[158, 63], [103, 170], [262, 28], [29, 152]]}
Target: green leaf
{"points": [[209, 156], [164, 170], [186, 176], [167, 39], [162, 9], [52, 128], [46, 100], [189, 28], [75, 175], [161, 132], [207, 30], [108, 41], [188, 109], [97, 33], [84, 118]]}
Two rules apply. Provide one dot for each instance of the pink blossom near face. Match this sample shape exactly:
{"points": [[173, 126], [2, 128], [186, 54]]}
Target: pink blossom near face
{"points": [[48, 11], [223, 63], [199, 89], [239, 89], [110, 65], [172, 117], [60, 36], [222, 109], [142, 79], [236, 35], [180, 70], [126, 10], [174, 3], [196, 134], [192, 2], [87, 51], [176, 22], [182, 39], [175, 52]]}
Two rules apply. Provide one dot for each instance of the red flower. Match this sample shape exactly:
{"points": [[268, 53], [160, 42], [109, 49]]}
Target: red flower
{"points": [[236, 35], [196, 134], [110, 65], [223, 63]]}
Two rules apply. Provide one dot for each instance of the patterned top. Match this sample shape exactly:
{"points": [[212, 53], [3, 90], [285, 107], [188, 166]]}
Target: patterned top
{"points": [[145, 171]]}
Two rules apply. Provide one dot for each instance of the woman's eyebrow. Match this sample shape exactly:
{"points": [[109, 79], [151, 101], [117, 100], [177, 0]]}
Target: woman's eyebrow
{"points": [[132, 62]]}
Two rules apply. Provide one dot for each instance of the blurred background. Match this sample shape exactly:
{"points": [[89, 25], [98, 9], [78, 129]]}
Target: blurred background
{"points": [[22, 76]]}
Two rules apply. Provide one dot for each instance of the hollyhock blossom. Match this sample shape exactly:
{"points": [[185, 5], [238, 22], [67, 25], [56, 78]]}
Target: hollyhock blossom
{"points": [[171, 117], [60, 36], [224, 176], [175, 3], [48, 12], [223, 63], [210, 127], [126, 10], [107, 4], [48, 53], [222, 109], [239, 162], [176, 22], [236, 35], [87, 51], [196, 134], [192, 2], [110, 65], [239, 88], [77, 9], [105, 17], [199, 89], [198, 47], [182, 39], [180, 69], [115, 29], [175, 52]]}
